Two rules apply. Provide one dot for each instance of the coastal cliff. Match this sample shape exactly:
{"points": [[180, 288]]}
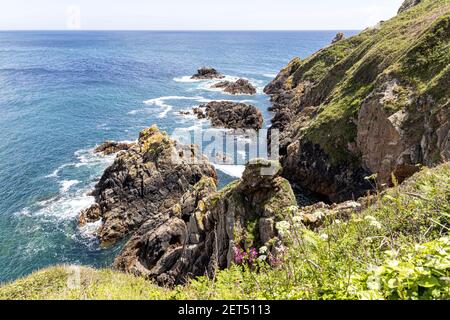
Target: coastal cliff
{"points": [[376, 103], [367, 113]]}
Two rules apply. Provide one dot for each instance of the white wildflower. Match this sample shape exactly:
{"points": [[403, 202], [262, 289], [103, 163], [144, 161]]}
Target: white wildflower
{"points": [[324, 236], [283, 227]]}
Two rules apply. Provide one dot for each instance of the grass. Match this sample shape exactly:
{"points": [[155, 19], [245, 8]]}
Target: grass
{"points": [[412, 47], [397, 248]]}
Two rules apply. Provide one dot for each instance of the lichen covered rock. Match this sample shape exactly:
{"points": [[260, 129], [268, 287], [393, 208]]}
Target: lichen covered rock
{"points": [[143, 181]]}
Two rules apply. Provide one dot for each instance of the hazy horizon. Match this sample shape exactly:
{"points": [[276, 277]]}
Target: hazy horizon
{"points": [[195, 15]]}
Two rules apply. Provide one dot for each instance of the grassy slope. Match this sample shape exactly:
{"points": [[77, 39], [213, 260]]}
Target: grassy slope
{"points": [[413, 47], [338, 262]]}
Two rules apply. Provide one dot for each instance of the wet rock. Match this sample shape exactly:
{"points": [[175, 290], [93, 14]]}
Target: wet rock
{"points": [[206, 73]]}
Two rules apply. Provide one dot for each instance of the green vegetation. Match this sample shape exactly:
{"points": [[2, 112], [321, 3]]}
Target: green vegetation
{"points": [[413, 48], [397, 248]]}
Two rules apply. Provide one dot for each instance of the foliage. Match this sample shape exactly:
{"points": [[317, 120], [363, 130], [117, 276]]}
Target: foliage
{"points": [[397, 248]]}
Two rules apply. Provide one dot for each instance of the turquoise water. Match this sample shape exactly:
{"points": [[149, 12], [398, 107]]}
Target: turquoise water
{"points": [[62, 93]]}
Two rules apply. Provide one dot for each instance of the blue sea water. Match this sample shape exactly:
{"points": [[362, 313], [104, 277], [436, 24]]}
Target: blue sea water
{"points": [[62, 93]]}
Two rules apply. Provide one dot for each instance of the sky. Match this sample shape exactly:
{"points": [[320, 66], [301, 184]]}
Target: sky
{"points": [[194, 14]]}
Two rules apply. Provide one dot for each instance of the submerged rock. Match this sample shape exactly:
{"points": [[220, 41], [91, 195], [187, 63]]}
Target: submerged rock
{"points": [[143, 181], [231, 115], [241, 86], [200, 233], [111, 147], [207, 74]]}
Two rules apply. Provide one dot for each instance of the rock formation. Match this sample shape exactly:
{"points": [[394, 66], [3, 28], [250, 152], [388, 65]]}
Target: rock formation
{"points": [[143, 181], [241, 86], [198, 235], [111, 147], [360, 107], [408, 4], [339, 37], [207, 74], [230, 115]]}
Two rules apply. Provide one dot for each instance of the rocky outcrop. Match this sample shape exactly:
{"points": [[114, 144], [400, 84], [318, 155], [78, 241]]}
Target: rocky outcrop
{"points": [[230, 115], [408, 4], [111, 147], [207, 74], [143, 181], [339, 37], [355, 108], [200, 233], [241, 86]]}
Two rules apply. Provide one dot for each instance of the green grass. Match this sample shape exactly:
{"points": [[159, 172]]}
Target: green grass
{"points": [[397, 248], [412, 47]]}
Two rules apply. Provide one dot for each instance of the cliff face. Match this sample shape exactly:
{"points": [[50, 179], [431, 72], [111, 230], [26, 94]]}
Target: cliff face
{"points": [[374, 103], [198, 235]]}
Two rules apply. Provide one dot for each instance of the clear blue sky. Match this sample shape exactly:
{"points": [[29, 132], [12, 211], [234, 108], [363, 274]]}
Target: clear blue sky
{"points": [[195, 14]]}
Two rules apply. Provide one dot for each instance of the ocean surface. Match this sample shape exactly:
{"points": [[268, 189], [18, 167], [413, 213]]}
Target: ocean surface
{"points": [[63, 93]]}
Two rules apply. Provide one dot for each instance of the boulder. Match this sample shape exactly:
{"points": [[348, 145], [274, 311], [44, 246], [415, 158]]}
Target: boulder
{"points": [[241, 86], [231, 115], [206, 73], [143, 181]]}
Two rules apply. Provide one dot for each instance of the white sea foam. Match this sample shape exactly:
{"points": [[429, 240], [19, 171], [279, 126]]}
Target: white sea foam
{"points": [[164, 108], [89, 230], [186, 79], [270, 75], [66, 185], [56, 172], [235, 171]]}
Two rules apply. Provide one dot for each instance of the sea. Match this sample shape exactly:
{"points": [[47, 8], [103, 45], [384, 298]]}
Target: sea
{"points": [[64, 92]]}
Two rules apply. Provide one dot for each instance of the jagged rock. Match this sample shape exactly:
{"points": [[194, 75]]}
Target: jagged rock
{"points": [[110, 147], [143, 181], [230, 115], [207, 74], [339, 37], [408, 4], [241, 86], [195, 242]]}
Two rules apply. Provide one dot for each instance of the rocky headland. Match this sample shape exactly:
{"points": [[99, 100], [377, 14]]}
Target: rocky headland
{"points": [[143, 181], [375, 103], [200, 234]]}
